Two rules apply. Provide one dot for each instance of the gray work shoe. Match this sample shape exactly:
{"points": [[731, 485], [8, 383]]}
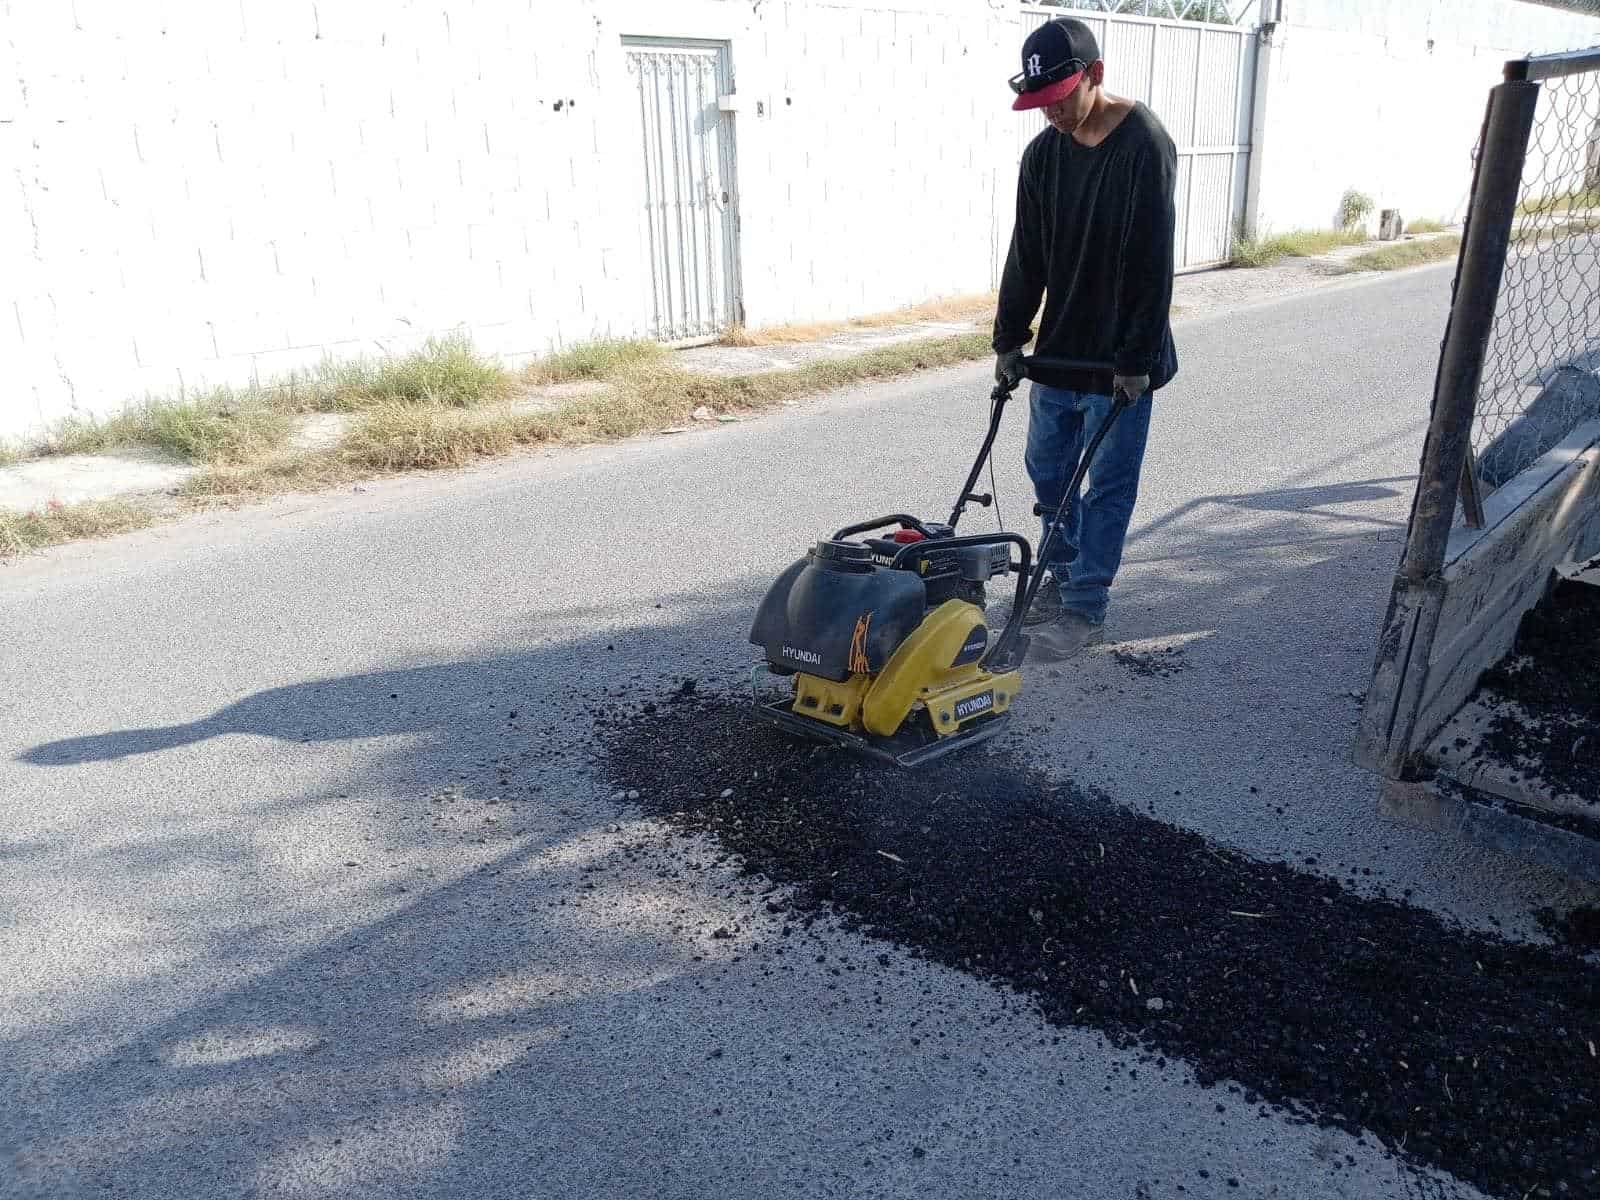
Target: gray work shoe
{"points": [[1063, 637], [1046, 606]]}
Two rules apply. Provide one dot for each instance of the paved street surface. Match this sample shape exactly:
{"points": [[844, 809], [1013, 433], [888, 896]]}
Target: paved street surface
{"points": [[308, 888]]}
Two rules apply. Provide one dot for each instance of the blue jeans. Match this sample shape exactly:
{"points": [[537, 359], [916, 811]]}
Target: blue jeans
{"points": [[1088, 546]]}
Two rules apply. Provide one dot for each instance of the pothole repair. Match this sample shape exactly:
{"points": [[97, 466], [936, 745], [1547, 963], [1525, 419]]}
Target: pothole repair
{"points": [[1463, 1051]]}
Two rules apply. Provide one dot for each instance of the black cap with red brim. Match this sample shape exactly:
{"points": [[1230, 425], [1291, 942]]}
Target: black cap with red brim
{"points": [[1048, 94], [1055, 58]]}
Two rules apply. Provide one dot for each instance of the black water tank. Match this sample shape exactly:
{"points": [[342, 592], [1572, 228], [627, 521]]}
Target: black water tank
{"points": [[808, 619]]}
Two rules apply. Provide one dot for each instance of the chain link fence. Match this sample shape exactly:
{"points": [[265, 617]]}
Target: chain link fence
{"points": [[1541, 367]]}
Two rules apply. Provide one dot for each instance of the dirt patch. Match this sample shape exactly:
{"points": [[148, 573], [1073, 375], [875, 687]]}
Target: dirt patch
{"points": [[320, 431], [1553, 675], [1465, 1051], [79, 478]]}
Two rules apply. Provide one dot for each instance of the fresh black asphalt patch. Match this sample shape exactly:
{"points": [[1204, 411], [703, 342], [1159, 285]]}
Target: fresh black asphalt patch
{"points": [[1473, 1054]]}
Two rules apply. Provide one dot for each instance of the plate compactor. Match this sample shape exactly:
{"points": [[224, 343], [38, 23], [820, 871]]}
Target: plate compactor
{"points": [[884, 632]]}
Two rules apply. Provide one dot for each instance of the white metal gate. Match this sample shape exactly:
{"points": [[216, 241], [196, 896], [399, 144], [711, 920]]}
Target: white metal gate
{"points": [[689, 210], [1200, 80]]}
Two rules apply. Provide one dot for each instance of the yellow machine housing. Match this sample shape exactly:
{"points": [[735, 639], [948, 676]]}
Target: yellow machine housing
{"points": [[922, 674]]}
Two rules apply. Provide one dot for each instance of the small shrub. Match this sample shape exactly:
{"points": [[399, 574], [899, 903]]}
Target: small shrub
{"points": [[1354, 208]]}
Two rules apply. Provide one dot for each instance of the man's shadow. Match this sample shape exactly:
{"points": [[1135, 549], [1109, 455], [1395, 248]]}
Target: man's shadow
{"points": [[440, 697], [379, 704]]}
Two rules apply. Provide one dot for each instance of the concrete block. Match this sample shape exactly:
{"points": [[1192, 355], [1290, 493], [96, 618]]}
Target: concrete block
{"points": [[55, 94], [12, 109], [249, 335], [278, 21], [274, 365], [443, 245], [41, 31], [104, 20], [173, 341], [316, 324], [348, 27], [394, 340], [509, 339]]}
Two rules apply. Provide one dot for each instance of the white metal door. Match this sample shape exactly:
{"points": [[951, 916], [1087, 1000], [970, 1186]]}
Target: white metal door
{"points": [[1200, 80], [689, 222]]}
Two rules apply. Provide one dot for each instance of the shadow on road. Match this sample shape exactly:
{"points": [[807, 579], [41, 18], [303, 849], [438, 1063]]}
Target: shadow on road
{"points": [[544, 1008]]}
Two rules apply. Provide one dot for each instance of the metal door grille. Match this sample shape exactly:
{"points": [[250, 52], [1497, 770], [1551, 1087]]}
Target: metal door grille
{"points": [[688, 212], [1199, 79]]}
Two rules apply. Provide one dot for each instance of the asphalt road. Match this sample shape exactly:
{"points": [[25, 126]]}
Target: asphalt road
{"points": [[308, 889]]}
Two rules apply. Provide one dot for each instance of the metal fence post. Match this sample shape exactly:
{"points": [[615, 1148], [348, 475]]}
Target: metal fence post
{"points": [[1507, 126]]}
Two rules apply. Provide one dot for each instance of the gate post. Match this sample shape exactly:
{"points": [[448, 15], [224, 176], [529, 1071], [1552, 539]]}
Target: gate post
{"points": [[1507, 126], [1400, 675]]}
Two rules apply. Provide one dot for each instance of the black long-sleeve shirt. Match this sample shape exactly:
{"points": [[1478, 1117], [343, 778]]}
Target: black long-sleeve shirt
{"points": [[1094, 238]]}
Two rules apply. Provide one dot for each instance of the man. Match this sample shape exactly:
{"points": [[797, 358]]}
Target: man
{"points": [[1094, 238]]}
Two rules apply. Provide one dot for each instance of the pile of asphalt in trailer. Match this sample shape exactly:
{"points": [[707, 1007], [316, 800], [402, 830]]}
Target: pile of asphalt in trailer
{"points": [[1553, 675], [1467, 1052]]}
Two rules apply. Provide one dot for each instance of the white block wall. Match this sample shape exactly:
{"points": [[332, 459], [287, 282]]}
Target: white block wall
{"points": [[867, 177], [1387, 97], [208, 191], [205, 191]]}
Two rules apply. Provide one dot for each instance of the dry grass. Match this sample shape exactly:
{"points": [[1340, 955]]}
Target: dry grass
{"points": [[978, 307], [1300, 243], [445, 371], [417, 427], [1428, 225], [784, 335], [1562, 203], [599, 360], [220, 426], [1406, 254], [23, 532], [306, 471], [1541, 232], [401, 438], [241, 434], [644, 398], [232, 427], [668, 397]]}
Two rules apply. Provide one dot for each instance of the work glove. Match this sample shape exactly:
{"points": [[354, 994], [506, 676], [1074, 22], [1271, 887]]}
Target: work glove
{"points": [[1131, 386], [1008, 368]]}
